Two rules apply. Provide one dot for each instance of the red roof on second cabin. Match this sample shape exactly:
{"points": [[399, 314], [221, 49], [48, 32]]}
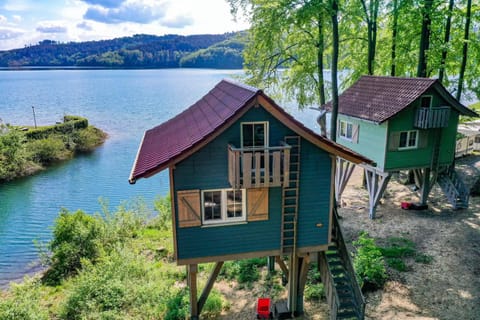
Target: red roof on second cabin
{"points": [[377, 98], [165, 144]]}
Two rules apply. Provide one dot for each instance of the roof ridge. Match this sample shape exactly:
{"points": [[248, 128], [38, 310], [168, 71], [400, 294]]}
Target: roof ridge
{"points": [[242, 85], [399, 78]]}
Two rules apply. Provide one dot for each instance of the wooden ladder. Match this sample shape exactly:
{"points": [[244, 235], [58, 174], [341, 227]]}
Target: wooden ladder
{"points": [[290, 198]]}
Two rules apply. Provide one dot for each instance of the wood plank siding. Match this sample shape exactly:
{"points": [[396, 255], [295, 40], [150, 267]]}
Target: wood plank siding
{"points": [[209, 168]]}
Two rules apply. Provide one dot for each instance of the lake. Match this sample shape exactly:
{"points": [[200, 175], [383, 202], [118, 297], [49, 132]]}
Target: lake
{"points": [[124, 103]]}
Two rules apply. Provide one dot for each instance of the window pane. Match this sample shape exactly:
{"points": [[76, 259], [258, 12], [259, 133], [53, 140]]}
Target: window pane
{"points": [[412, 140], [342, 129], [234, 203], [403, 139], [349, 130], [212, 202], [247, 132], [259, 135], [425, 102]]}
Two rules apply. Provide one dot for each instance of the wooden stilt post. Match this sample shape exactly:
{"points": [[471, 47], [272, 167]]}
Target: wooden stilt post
{"points": [[293, 284], [209, 285], [376, 184], [271, 264], [344, 170], [425, 186], [302, 280], [192, 270]]}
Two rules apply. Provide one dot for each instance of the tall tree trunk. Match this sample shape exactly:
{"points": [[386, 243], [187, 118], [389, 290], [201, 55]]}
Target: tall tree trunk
{"points": [[394, 38], [446, 40], [465, 50], [371, 14], [424, 39], [335, 44], [321, 80]]}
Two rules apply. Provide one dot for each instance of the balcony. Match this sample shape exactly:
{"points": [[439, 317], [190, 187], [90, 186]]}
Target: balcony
{"points": [[259, 167], [430, 118]]}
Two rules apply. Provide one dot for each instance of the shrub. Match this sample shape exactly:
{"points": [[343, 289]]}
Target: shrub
{"points": [[87, 139], [369, 263], [47, 150], [76, 236], [178, 305], [23, 302], [162, 205], [314, 291]]}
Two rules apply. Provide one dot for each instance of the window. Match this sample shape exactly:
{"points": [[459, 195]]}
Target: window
{"points": [[425, 101], [346, 130], [223, 205], [408, 139], [255, 134]]}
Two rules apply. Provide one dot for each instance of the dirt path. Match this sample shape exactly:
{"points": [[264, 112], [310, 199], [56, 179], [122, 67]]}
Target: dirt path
{"points": [[447, 288]]}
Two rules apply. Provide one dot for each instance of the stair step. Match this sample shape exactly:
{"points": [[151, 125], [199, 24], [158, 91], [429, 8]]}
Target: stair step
{"points": [[347, 315]]}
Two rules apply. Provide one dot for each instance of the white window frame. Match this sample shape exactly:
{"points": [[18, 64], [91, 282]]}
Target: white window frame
{"points": [[407, 147], [265, 138], [223, 207], [344, 135]]}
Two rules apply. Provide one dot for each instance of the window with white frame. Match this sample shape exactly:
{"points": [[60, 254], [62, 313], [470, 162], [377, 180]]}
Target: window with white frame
{"points": [[346, 130], [408, 139], [254, 134], [223, 206]]}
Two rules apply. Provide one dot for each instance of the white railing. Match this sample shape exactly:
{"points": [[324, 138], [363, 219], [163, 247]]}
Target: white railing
{"points": [[429, 118], [259, 167]]}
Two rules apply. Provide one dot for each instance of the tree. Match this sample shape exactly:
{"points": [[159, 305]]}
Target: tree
{"points": [[334, 16], [425, 38], [465, 50], [371, 15], [446, 40]]}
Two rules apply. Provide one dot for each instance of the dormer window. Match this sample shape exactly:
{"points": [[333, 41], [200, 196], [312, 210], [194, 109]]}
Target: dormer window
{"points": [[254, 135], [426, 101]]}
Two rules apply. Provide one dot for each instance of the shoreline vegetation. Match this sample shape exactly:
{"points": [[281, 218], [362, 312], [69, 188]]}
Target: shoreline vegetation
{"points": [[26, 150]]}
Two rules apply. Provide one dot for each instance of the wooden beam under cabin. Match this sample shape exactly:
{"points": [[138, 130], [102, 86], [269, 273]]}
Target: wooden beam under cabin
{"points": [[209, 285], [192, 270]]}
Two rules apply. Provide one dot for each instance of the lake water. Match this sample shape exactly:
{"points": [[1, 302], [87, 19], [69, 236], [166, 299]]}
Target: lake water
{"points": [[124, 103]]}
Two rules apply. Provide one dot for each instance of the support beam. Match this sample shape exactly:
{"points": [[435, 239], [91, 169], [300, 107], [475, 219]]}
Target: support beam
{"points": [[302, 280], [282, 265], [293, 284], [376, 184], [425, 186], [344, 170], [209, 285], [192, 270]]}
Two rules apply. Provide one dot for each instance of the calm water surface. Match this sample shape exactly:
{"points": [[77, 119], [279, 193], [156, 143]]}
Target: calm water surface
{"points": [[124, 103]]}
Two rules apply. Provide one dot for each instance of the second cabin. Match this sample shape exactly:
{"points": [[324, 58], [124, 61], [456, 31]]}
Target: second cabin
{"points": [[247, 180]]}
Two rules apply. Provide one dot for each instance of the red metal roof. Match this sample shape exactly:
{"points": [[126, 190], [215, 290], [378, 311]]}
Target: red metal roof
{"points": [[377, 98], [172, 141]]}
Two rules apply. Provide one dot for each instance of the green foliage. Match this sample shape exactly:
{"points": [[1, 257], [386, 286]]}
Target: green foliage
{"points": [[23, 302], [398, 248], [47, 150], [368, 262], [423, 258], [76, 238], [397, 264], [243, 271], [314, 289], [12, 154], [69, 125], [139, 51], [178, 305], [163, 220], [87, 139], [475, 107]]}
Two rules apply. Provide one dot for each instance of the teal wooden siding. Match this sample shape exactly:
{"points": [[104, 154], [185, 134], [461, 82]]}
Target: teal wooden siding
{"points": [[421, 156], [372, 139], [208, 169]]}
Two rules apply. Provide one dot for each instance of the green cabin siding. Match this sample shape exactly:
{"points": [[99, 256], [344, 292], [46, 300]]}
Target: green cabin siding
{"points": [[372, 139], [208, 169], [422, 155]]}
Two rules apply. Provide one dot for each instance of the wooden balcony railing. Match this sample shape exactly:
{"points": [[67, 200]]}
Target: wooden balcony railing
{"points": [[429, 118], [258, 167]]}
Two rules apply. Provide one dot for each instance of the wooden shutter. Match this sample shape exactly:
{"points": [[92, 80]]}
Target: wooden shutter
{"points": [[189, 211], [257, 204], [423, 139], [394, 141], [355, 129]]}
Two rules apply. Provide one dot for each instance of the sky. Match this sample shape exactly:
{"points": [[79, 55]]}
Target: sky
{"points": [[26, 22]]}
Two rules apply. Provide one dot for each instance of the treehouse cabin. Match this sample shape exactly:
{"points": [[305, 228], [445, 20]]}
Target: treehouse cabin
{"points": [[247, 180], [401, 124]]}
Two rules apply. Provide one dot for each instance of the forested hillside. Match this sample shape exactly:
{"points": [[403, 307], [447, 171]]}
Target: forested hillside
{"points": [[139, 51]]}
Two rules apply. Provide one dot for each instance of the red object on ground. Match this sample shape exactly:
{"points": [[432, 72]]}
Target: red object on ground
{"points": [[406, 205], [263, 308]]}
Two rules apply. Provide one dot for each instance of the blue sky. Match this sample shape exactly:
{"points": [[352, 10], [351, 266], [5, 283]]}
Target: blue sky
{"points": [[26, 22]]}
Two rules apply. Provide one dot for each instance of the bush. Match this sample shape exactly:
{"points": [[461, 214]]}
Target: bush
{"points": [[23, 302], [76, 237], [314, 291], [244, 271], [369, 263], [87, 139], [162, 205], [47, 150]]}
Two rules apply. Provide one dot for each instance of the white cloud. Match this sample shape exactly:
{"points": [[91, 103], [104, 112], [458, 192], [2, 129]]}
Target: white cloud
{"points": [[85, 26], [106, 3], [177, 22], [10, 33], [17, 18], [3, 19], [142, 12]]}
